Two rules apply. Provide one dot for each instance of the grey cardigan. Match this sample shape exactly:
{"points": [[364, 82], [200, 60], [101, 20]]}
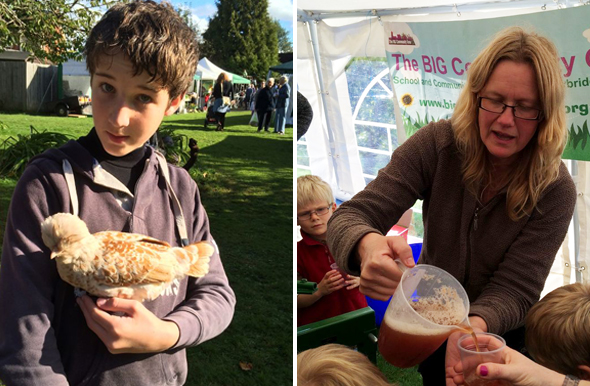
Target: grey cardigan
{"points": [[44, 339], [503, 264]]}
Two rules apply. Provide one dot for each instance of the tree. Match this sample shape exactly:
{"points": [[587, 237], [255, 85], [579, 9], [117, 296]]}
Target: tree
{"points": [[285, 45], [187, 16], [49, 29], [242, 36]]}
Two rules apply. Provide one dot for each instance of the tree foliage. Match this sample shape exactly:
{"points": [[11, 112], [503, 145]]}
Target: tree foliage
{"points": [[242, 37], [186, 15], [285, 44], [49, 29]]}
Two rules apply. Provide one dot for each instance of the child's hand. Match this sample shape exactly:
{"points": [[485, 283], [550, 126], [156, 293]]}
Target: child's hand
{"points": [[138, 331], [331, 282], [352, 282]]}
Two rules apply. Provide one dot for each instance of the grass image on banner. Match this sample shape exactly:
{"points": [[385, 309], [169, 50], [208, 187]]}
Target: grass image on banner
{"points": [[580, 135], [412, 127]]}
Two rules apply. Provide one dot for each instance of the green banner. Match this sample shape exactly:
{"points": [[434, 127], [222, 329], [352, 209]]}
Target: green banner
{"points": [[428, 64]]}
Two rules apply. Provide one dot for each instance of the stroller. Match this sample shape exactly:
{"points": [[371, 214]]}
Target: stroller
{"points": [[210, 116]]}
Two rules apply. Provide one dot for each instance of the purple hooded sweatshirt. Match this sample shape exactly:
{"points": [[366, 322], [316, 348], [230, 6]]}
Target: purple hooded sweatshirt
{"points": [[44, 339]]}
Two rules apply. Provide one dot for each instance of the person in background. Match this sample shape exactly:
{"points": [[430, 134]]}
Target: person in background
{"points": [[248, 97], [282, 105], [275, 92], [265, 105], [255, 96], [497, 199], [337, 365], [222, 88], [304, 115], [337, 292]]}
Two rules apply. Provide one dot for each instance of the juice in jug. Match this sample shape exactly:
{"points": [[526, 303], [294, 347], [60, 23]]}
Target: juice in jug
{"points": [[428, 305]]}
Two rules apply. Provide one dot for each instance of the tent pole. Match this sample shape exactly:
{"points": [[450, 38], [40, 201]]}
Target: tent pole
{"points": [[319, 14], [316, 54], [574, 173]]}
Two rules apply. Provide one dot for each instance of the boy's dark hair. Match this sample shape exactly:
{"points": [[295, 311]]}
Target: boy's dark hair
{"points": [[153, 37]]}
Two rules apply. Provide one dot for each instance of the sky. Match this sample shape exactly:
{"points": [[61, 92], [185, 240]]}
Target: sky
{"points": [[202, 10]]}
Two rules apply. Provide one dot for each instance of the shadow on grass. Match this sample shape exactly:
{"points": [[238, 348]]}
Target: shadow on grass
{"points": [[6, 188], [252, 224]]}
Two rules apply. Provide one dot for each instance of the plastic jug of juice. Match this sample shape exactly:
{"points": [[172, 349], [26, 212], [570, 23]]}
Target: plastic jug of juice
{"points": [[427, 306]]}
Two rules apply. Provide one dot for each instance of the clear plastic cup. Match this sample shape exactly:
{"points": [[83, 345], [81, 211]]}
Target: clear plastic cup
{"points": [[337, 268], [490, 350]]}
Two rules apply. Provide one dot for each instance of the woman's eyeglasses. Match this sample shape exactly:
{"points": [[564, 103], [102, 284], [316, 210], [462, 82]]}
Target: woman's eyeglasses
{"points": [[318, 212], [497, 107]]}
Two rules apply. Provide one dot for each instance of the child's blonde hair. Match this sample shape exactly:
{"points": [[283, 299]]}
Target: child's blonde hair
{"points": [[558, 329], [313, 188], [337, 365]]}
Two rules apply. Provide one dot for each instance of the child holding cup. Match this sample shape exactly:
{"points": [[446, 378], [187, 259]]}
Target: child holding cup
{"points": [[337, 293], [557, 338]]}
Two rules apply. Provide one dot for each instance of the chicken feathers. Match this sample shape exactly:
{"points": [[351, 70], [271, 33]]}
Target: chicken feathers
{"points": [[117, 264]]}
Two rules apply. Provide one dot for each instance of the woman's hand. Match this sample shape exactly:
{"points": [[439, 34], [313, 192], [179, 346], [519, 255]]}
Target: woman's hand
{"points": [[380, 274], [137, 331], [331, 282], [520, 371]]}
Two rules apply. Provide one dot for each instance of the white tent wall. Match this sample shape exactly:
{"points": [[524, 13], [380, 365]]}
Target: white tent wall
{"points": [[338, 45], [316, 141], [343, 32]]}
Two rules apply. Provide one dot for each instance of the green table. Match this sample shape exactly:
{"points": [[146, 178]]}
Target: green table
{"points": [[355, 329]]}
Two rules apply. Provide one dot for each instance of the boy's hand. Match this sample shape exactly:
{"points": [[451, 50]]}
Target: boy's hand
{"points": [[138, 331], [331, 282], [352, 282]]}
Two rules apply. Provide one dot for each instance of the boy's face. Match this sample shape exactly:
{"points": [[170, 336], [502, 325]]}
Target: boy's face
{"points": [[317, 225], [127, 109]]}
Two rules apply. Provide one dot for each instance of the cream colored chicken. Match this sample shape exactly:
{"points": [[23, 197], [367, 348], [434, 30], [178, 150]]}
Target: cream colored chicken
{"points": [[117, 264]]}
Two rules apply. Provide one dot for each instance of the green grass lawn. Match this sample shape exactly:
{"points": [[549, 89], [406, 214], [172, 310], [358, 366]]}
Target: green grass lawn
{"points": [[398, 376], [246, 182]]}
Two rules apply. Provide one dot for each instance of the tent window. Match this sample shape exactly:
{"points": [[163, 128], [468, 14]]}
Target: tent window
{"points": [[302, 158], [371, 100]]}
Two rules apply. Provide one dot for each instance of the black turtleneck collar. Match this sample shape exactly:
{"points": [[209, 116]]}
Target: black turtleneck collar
{"points": [[126, 169]]}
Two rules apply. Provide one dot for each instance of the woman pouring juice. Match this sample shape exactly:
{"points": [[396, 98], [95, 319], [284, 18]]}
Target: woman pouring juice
{"points": [[497, 199]]}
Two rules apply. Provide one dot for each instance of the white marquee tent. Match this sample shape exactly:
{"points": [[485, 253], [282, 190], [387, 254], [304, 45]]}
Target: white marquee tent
{"points": [[209, 71], [331, 34]]}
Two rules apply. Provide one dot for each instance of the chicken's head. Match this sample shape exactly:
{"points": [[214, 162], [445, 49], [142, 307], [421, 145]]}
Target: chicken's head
{"points": [[61, 230]]}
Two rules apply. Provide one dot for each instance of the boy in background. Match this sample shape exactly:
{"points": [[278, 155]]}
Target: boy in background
{"points": [[141, 57], [337, 292], [558, 330]]}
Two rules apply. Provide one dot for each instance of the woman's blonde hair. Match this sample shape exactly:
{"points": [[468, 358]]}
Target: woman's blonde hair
{"points": [[540, 159], [558, 329], [223, 77], [313, 188], [337, 365]]}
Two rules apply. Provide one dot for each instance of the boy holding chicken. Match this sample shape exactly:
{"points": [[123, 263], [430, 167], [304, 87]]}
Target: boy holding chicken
{"points": [[141, 57]]}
